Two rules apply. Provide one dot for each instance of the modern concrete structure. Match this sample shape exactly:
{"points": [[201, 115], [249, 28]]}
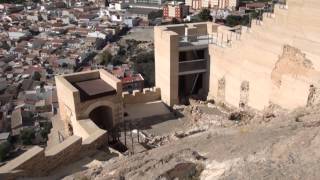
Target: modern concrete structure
{"points": [[273, 62], [182, 60]]}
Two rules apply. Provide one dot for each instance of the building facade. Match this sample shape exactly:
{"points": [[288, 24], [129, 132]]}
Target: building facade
{"points": [[217, 4], [175, 9], [149, 1], [182, 61], [274, 63], [95, 95]]}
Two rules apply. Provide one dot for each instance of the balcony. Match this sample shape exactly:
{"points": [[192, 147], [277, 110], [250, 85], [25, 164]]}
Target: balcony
{"points": [[192, 66], [196, 40]]}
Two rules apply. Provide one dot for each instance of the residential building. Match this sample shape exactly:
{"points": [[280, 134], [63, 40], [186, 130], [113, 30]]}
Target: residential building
{"points": [[130, 80], [174, 9], [217, 4], [149, 1], [20, 120], [142, 13]]}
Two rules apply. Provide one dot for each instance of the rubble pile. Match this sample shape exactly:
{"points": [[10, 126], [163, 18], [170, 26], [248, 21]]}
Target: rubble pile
{"points": [[182, 164], [283, 147], [152, 141]]}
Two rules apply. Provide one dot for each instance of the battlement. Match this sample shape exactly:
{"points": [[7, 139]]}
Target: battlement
{"points": [[38, 161], [148, 95]]}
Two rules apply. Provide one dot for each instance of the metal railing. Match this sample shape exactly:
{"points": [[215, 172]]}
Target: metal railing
{"points": [[194, 40], [192, 65]]}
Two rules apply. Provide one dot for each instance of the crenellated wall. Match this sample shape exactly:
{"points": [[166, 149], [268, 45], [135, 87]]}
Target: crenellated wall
{"points": [[273, 62], [37, 161], [148, 95]]}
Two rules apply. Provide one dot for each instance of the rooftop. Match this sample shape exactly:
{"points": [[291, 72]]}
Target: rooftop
{"points": [[95, 88], [132, 78], [91, 84]]}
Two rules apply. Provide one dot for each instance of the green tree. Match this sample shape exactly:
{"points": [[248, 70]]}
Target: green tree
{"points": [[27, 135], [233, 20], [45, 130], [204, 14], [144, 64], [4, 150], [103, 58], [155, 14], [36, 76], [12, 1]]}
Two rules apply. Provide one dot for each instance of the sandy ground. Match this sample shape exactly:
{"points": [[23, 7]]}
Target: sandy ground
{"points": [[144, 110]]}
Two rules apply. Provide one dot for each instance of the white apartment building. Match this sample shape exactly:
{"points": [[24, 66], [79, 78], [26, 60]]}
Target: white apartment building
{"points": [[219, 4]]}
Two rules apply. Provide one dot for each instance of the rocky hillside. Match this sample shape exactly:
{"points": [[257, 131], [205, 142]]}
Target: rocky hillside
{"points": [[275, 144]]}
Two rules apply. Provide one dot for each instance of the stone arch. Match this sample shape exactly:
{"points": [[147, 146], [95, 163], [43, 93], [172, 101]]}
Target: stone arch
{"points": [[244, 94], [98, 104], [102, 116]]}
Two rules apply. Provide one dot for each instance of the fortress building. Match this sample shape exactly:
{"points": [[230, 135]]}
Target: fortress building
{"points": [[89, 95], [276, 61], [182, 62]]}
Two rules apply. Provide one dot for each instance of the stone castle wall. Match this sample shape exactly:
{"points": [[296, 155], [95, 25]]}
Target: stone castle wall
{"points": [[273, 62], [148, 95], [72, 109], [37, 161]]}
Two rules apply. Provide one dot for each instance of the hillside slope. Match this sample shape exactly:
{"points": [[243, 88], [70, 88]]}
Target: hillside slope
{"points": [[283, 145]]}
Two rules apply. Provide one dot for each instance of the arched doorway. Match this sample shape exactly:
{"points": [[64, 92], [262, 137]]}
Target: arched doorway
{"points": [[102, 117]]}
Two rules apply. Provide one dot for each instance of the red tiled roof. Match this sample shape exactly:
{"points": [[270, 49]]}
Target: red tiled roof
{"points": [[133, 78]]}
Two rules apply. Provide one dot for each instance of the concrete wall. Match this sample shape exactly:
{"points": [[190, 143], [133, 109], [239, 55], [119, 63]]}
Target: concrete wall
{"points": [[167, 47], [166, 63]]}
